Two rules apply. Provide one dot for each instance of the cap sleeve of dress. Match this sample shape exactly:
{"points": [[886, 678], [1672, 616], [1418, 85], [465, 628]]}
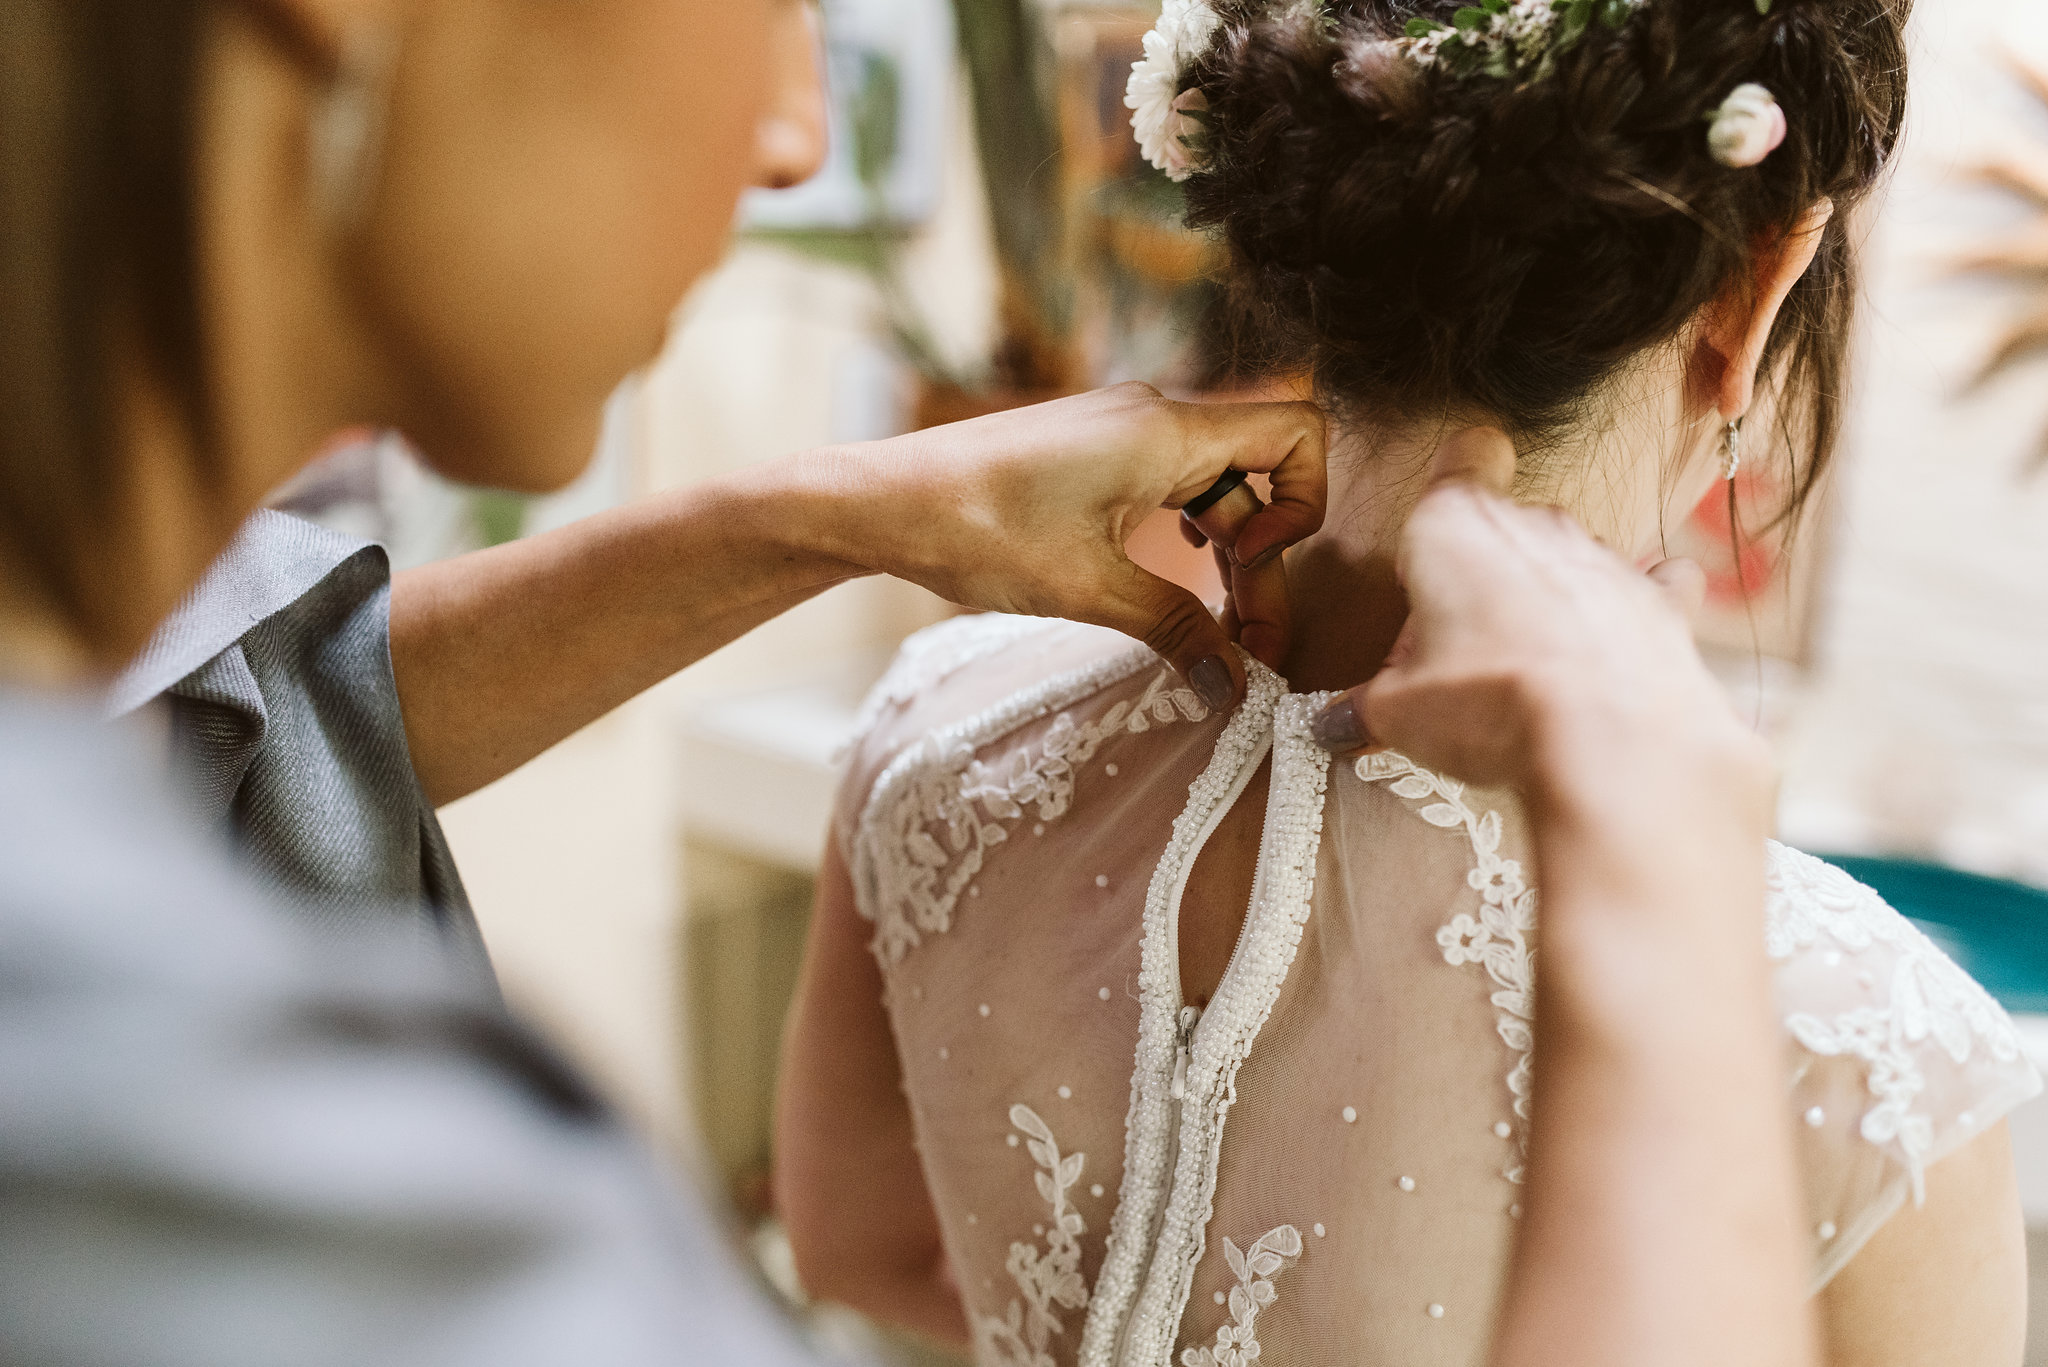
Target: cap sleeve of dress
{"points": [[1898, 1057], [932, 684]]}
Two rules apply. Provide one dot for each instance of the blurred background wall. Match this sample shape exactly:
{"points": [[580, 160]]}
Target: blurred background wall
{"points": [[985, 235]]}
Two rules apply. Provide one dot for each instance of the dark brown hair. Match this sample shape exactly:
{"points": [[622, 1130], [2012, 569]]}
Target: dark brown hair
{"points": [[96, 242], [1425, 242]]}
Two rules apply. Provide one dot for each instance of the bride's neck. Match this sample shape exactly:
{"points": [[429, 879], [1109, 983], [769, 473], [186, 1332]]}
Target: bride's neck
{"points": [[1348, 606]]}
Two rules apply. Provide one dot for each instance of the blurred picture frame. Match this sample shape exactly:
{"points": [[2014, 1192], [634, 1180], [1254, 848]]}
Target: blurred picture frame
{"points": [[889, 70]]}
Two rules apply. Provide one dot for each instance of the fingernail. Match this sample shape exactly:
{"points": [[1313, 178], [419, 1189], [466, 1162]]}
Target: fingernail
{"points": [[1338, 728], [1211, 679]]}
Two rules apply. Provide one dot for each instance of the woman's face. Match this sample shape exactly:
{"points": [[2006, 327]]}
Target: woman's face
{"points": [[556, 174]]}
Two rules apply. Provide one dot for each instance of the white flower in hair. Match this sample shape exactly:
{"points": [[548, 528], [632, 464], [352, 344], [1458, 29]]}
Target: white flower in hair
{"points": [[1162, 113], [1748, 127]]}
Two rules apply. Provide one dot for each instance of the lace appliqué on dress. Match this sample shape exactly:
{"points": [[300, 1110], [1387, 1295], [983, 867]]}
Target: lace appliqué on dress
{"points": [[1931, 999], [1498, 938], [937, 809], [1237, 1343], [1019, 1338]]}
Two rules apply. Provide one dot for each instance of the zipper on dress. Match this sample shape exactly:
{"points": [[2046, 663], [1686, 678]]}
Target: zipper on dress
{"points": [[1184, 1048], [1188, 1018]]}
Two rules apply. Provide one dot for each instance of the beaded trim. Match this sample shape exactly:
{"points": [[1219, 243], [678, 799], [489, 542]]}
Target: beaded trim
{"points": [[1142, 1290]]}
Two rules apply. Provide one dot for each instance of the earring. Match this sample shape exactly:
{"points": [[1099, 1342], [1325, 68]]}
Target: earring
{"points": [[1731, 450], [346, 141]]}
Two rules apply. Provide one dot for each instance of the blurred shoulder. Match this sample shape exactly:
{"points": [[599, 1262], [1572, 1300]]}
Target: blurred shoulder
{"points": [[1900, 1056]]}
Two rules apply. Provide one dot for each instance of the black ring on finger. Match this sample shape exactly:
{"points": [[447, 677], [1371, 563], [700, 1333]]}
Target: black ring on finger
{"points": [[1214, 494]]}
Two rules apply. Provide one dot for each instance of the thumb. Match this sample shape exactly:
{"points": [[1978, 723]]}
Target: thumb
{"points": [[1176, 625]]}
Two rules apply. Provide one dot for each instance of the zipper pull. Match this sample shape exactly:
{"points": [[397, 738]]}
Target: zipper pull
{"points": [[1183, 1051]]}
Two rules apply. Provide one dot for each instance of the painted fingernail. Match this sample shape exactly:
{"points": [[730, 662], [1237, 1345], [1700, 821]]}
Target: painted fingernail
{"points": [[1338, 728], [1211, 679]]}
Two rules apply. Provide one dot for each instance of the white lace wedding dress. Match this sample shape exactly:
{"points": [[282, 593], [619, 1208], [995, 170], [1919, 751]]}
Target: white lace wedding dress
{"points": [[1324, 1164]]}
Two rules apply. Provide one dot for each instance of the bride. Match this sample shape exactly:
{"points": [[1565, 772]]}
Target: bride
{"points": [[1134, 1033]]}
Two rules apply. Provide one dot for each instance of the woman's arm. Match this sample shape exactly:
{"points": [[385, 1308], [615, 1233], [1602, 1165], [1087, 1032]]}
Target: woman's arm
{"points": [[848, 1182], [1663, 1207], [1662, 1225], [501, 654], [1943, 1284]]}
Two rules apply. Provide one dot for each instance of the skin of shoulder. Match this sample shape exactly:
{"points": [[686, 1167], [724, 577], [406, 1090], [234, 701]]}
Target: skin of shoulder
{"points": [[849, 1185], [1943, 1284]]}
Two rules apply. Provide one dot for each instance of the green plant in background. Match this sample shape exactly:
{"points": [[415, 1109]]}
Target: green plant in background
{"points": [[873, 120], [1008, 63], [500, 516], [876, 111], [1010, 73]]}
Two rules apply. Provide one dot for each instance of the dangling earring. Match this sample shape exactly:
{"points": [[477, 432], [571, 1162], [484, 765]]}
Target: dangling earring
{"points": [[347, 135], [1731, 450]]}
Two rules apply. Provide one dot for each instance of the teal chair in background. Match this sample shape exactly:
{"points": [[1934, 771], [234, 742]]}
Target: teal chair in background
{"points": [[1995, 929]]}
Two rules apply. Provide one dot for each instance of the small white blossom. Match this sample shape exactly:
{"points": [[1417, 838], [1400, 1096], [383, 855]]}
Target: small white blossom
{"points": [[1526, 26], [1747, 127], [1161, 111], [1422, 51]]}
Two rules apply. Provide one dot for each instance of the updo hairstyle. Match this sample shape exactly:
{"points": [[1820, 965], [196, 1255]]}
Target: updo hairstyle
{"points": [[1424, 242]]}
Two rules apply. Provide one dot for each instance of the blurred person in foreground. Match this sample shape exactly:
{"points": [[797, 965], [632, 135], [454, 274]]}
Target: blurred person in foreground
{"points": [[282, 1117]]}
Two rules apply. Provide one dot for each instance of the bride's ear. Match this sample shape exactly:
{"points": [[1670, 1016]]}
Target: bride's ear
{"points": [[1729, 346]]}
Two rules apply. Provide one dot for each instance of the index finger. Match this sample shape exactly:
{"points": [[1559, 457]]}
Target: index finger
{"points": [[1288, 443]]}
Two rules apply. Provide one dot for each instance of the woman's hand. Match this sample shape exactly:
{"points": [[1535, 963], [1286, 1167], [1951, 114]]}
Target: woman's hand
{"points": [[500, 654], [1536, 659], [1028, 511]]}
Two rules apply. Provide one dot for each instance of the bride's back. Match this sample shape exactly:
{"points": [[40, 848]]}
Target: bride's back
{"points": [[1326, 1159], [1322, 1163]]}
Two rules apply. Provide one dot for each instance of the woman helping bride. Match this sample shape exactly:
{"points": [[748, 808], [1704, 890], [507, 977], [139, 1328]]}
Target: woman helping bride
{"points": [[1134, 1033]]}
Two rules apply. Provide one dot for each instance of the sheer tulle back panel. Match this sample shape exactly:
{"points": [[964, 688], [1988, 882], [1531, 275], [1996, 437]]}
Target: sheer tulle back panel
{"points": [[1369, 1118]]}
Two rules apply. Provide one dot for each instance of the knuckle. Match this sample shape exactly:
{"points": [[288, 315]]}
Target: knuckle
{"points": [[1176, 629], [1139, 395]]}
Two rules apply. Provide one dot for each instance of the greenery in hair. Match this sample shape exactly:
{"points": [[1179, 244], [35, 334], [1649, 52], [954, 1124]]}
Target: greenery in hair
{"points": [[1505, 39]]}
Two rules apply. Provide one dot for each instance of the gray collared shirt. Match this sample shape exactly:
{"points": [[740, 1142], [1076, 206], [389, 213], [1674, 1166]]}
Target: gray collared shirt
{"points": [[260, 1105], [276, 676]]}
